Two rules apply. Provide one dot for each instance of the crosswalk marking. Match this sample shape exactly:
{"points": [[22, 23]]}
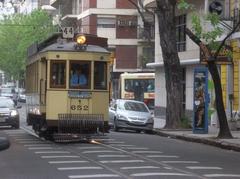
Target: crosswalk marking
{"points": [[180, 162], [121, 161], [61, 156], [203, 168], [79, 168], [162, 156], [122, 145], [147, 152], [159, 174], [222, 175], [91, 147], [139, 167], [113, 155], [37, 145], [40, 148], [136, 148], [99, 151], [52, 152], [94, 176], [67, 162]]}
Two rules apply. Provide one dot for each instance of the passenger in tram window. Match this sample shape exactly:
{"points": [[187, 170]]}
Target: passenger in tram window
{"points": [[78, 78]]}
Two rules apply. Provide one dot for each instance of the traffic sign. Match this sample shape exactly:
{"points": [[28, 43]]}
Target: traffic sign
{"points": [[68, 32]]}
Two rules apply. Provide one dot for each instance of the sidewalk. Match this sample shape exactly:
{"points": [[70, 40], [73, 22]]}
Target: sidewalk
{"points": [[209, 139]]}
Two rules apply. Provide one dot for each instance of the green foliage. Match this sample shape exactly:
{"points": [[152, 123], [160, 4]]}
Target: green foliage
{"points": [[209, 36], [185, 123], [17, 32]]}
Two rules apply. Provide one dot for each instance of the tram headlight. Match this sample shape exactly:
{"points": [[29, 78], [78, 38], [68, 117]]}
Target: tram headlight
{"points": [[81, 39]]}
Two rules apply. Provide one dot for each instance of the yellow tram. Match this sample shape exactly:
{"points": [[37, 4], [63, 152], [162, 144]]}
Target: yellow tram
{"points": [[67, 86]]}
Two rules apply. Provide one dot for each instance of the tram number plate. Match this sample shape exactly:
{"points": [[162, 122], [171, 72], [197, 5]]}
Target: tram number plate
{"points": [[79, 107]]}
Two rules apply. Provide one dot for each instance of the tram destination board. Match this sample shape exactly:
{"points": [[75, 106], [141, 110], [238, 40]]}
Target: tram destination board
{"points": [[80, 94]]}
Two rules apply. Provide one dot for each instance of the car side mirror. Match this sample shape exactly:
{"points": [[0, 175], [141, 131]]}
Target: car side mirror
{"points": [[18, 106]]}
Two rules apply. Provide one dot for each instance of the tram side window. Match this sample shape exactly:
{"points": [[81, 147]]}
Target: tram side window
{"points": [[80, 75], [58, 74], [100, 75]]}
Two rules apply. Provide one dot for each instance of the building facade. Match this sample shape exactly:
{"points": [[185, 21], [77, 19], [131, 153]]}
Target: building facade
{"points": [[117, 20], [189, 54]]}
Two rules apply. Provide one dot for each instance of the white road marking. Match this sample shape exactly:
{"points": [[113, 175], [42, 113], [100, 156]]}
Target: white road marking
{"points": [[162, 156], [52, 152], [113, 155], [61, 156], [222, 175], [40, 148], [159, 174], [99, 151], [147, 152], [139, 167], [94, 176], [37, 145], [115, 142], [136, 148], [63, 162], [122, 145], [22, 139], [90, 147], [79, 168], [121, 161], [29, 142], [203, 168], [179, 162]]}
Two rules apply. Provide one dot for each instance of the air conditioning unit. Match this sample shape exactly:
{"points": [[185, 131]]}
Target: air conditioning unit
{"points": [[218, 6]]}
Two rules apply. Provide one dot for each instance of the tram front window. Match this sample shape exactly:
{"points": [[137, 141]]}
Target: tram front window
{"points": [[100, 75], [80, 75], [58, 70]]}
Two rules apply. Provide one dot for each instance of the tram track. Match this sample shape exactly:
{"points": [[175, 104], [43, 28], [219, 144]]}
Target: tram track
{"points": [[104, 144]]}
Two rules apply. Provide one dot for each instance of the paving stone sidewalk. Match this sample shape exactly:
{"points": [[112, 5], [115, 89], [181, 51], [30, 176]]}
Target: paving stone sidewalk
{"points": [[209, 139]]}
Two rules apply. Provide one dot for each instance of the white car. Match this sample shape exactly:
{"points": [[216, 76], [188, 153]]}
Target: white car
{"points": [[130, 114]]}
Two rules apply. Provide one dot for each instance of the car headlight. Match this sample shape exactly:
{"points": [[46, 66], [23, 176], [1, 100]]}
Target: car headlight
{"points": [[14, 113], [150, 120], [121, 117]]}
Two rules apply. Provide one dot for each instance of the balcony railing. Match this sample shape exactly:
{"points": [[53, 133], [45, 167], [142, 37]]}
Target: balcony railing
{"points": [[146, 33]]}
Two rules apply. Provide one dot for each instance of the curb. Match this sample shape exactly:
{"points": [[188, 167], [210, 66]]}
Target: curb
{"points": [[4, 143], [212, 142]]}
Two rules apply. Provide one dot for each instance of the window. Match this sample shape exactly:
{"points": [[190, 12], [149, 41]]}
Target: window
{"points": [[58, 74], [100, 75], [106, 22], [80, 75], [180, 33]]}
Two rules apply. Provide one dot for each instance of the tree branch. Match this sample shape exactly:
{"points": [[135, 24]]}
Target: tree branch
{"points": [[202, 46], [224, 40]]}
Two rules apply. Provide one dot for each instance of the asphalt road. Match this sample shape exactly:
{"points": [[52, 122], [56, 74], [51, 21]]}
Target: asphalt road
{"points": [[123, 154]]}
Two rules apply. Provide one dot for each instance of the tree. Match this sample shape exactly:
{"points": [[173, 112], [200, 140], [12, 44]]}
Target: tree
{"points": [[165, 11], [17, 32], [206, 40]]}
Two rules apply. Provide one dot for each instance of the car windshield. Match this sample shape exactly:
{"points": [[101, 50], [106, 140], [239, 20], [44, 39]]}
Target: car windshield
{"points": [[133, 106], [6, 90], [6, 103]]}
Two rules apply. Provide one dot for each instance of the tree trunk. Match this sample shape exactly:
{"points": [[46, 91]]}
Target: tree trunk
{"points": [[224, 131], [172, 68]]}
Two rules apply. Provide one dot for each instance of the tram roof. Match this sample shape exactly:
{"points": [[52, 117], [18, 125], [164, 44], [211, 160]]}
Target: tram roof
{"points": [[70, 47]]}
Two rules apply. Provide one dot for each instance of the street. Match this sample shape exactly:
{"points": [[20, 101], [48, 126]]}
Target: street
{"points": [[122, 154]]}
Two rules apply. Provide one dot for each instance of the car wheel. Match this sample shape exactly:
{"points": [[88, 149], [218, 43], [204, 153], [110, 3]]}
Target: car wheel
{"points": [[149, 132], [16, 126], [115, 127]]}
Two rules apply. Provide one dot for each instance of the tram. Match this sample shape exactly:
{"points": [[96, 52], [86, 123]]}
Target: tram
{"points": [[61, 103]]}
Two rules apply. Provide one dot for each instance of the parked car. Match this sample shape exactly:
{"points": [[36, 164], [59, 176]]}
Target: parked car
{"points": [[130, 114], [22, 97], [8, 113], [7, 91]]}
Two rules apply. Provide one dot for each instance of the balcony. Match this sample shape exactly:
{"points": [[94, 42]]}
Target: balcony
{"points": [[146, 33]]}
